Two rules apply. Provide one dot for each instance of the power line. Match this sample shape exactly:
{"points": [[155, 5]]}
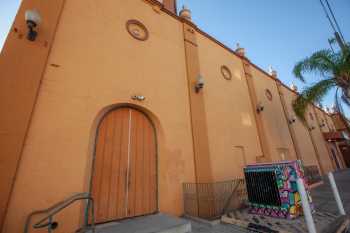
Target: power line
{"points": [[327, 15], [338, 36], [335, 21]]}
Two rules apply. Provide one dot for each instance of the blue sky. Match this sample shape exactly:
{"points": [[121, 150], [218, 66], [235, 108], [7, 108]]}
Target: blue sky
{"points": [[273, 32], [8, 10]]}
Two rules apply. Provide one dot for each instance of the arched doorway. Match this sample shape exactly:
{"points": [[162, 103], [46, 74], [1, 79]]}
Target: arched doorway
{"points": [[124, 179]]}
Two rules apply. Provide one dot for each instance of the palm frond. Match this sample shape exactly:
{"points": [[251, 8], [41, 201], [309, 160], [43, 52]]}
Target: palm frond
{"points": [[312, 94], [345, 99], [332, 40], [322, 62]]}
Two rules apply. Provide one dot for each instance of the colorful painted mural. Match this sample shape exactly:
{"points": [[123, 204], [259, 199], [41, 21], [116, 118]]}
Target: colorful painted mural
{"points": [[272, 189]]}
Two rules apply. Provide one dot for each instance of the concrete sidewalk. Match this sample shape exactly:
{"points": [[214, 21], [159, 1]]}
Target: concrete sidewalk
{"points": [[322, 197]]}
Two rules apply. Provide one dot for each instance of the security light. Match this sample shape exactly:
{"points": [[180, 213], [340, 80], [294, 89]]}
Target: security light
{"points": [[259, 108], [33, 19], [291, 120], [199, 83], [138, 97]]}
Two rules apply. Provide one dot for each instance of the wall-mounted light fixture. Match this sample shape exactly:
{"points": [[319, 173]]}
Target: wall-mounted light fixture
{"points": [[138, 97], [199, 83], [33, 19], [291, 120], [311, 128], [259, 108]]}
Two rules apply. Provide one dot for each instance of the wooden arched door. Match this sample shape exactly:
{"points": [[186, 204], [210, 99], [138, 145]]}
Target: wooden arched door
{"points": [[124, 181]]}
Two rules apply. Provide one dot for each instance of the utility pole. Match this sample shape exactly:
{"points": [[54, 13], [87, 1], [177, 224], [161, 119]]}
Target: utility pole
{"points": [[334, 24], [340, 42]]}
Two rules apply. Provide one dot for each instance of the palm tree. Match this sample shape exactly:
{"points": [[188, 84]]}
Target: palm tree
{"points": [[334, 69]]}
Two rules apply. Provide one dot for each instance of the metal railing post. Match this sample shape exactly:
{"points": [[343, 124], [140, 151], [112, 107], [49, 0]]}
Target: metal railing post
{"points": [[306, 206], [336, 193], [54, 209], [49, 229]]}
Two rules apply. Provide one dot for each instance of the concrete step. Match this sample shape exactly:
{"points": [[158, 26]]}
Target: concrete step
{"points": [[157, 223]]}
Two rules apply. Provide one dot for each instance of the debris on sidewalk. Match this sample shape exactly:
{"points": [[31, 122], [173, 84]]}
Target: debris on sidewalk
{"points": [[265, 224]]}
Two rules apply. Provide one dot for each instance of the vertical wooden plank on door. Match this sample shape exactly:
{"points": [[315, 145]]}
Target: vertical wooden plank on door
{"points": [[142, 157], [108, 165], [131, 167], [123, 165], [146, 167], [140, 175], [134, 196], [98, 166], [115, 160], [108, 185], [120, 118], [153, 168], [104, 191]]}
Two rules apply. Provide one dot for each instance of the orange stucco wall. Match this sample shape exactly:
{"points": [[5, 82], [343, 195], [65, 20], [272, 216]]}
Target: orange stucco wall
{"points": [[233, 138], [325, 127], [197, 107], [274, 121], [95, 65], [317, 136], [303, 140], [329, 122], [21, 67], [321, 118], [98, 64]]}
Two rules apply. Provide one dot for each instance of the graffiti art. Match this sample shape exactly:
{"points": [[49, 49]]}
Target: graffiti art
{"points": [[272, 189]]}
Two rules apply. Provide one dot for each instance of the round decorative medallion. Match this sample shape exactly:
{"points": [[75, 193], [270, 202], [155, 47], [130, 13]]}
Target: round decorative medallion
{"points": [[226, 72], [137, 30], [268, 94]]}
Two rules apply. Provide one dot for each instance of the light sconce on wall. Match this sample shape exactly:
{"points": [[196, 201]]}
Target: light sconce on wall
{"points": [[259, 108], [138, 97], [199, 83], [322, 125], [33, 19], [291, 120]]}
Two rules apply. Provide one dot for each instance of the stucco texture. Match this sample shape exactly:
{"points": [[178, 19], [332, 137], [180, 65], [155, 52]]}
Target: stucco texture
{"points": [[320, 144], [95, 65], [303, 140], [273, 118], [98, 65], [233, 137]]}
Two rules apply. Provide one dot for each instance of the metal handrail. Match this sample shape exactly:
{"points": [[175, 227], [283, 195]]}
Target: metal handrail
{"points": [[46, 221]]}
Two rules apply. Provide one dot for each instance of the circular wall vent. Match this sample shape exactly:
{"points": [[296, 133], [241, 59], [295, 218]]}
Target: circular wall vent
{"points": [[226, 72], [268, 94], [137, 30]]}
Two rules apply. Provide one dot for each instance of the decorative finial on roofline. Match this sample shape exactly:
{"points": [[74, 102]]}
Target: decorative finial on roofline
{"points": [[185, 13]]}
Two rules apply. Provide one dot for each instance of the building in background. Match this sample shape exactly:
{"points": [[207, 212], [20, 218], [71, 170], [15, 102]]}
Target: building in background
{"points": [[340, 139], [127, 100]]}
